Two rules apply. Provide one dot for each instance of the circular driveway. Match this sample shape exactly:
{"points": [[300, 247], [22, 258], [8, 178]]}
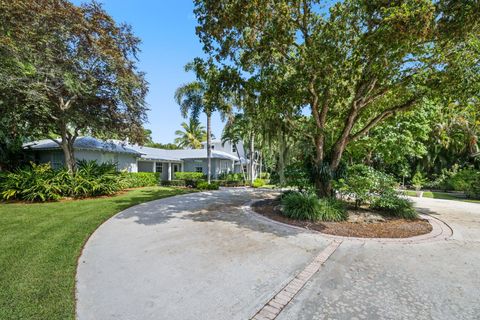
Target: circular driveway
{"points": [[199, 256]]}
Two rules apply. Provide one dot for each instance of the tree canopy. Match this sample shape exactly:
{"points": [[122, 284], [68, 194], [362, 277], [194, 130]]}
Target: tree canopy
{"points": [[353, 64], [67, 70]]}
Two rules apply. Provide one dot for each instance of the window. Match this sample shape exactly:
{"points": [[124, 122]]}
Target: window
{"points": [[199, 169], [213, 147], [234, 149], [159, 167], [57, 160]]}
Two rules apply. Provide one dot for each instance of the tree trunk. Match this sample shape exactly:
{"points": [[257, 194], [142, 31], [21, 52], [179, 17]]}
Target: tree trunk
{"points": [[69, 154], [281, 159], [241, 164], [252, 154], [209, 147]]}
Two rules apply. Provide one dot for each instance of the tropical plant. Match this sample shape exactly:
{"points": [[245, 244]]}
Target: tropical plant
{"points": [[192, 136], [307, 206], [301, 206], [332, 209]]}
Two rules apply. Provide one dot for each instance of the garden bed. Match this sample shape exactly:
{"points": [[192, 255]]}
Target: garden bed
{"points": [[390, 227]]}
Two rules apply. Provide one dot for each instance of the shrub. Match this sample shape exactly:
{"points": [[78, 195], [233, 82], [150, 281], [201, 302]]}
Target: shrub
{"points": [[189, 176], [463, 179], [35, 183], [140, 179], [332, 209], [234, 183], [286, 193], [204, 185], [473, 190], [93, 179], [418, 180], [307, 206], [395, 205], [173, 183], [231, 176], [296, 175], [363, 183], [301, 206], [257, 183]]}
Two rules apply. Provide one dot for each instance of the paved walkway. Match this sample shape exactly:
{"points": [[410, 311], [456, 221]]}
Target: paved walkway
{"points": [[199, 256]]}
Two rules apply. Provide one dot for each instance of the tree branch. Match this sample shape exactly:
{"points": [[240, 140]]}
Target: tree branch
{"points": [[382, 116]]}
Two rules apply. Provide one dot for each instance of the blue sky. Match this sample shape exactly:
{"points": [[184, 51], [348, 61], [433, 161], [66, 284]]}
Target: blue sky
{"points": [[167, 30]]}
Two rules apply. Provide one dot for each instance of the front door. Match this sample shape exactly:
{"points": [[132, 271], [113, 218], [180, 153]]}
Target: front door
{"points": [[175, 167]]}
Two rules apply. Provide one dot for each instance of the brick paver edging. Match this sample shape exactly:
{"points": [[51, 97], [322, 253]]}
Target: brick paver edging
{"points": [[280, 300], [440, 230]]}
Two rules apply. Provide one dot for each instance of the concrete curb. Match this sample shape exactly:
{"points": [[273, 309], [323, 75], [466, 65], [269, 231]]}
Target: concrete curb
{"points": [[440, 230]]}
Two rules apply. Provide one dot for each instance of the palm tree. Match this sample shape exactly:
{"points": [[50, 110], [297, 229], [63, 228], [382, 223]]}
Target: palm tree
{"points": [[207, 94], [192, 136]]}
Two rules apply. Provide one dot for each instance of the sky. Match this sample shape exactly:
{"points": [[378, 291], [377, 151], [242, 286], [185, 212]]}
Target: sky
{"points": [[167, 30]]}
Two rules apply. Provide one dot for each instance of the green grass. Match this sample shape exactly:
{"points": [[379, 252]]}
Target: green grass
{"points": [[440, 195], [39, 247], [269, 186]]}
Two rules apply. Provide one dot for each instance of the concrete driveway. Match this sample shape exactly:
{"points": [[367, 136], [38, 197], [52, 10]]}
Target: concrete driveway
{"points": [[372, 280], [200, 256]]}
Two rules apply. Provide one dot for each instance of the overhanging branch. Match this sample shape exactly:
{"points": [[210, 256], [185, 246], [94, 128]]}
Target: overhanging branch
{"points": [[382, 116]]}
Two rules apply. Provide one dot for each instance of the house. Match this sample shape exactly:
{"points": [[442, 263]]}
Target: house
{"points": [[135, 158]]}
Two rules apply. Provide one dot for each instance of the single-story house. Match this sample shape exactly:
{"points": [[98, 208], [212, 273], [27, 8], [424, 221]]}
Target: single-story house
{"points": [[135, 158]]}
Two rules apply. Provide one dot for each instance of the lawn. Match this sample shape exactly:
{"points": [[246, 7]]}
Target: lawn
{"points": [[440, 195], [39, 247]]}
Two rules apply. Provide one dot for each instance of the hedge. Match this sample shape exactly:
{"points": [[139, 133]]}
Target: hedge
{"points": [[189, 176], [173, 183], [140, 179]]}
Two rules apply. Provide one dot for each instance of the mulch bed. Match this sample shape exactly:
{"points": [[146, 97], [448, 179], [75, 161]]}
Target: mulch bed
{"points": [[391, 228]]}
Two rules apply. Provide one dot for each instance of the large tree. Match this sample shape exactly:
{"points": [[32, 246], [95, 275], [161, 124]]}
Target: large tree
{"points": [[353, 63], [73, 70]]}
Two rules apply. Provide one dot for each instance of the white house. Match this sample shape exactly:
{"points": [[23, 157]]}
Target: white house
{"points": [[135, 158]]}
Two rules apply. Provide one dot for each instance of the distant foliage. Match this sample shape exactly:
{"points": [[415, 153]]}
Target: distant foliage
{"points": [[418, 180], [265, 175], [466, 180]]}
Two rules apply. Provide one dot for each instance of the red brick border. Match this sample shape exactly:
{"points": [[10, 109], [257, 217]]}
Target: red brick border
{"points": [[276, 304]]}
